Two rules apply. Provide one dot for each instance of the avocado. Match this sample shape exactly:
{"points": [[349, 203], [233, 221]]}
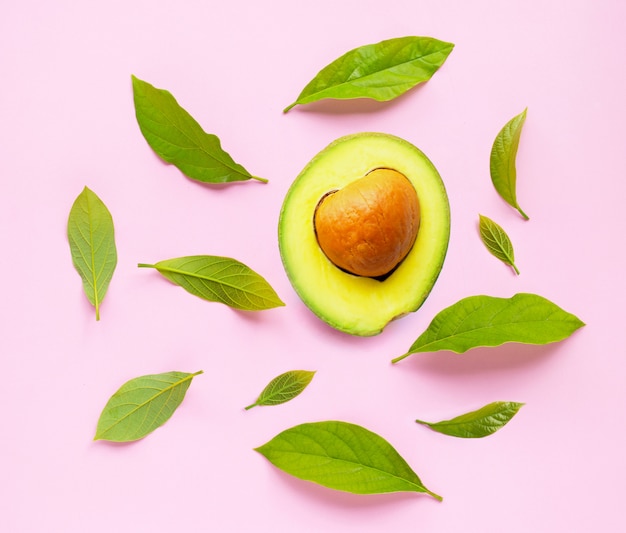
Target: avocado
{"points": [[389, 207]]}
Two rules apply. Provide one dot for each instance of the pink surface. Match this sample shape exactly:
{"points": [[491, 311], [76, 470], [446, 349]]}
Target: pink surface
{"points": [[67, 120]]}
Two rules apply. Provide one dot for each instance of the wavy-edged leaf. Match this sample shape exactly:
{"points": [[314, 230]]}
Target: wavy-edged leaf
{"points": [[380, 71], [477, 424], [219, 279], [91, 236], [284, 387], [177, 138], [497, 241], [491, 321], [142, 405], [342, 456], [502, 161]]}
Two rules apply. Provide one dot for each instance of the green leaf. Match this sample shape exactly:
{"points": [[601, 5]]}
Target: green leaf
{"points": [[177, 138], [490, 321], [502, 161], [284, 388], [142, 405], [219, 279], [92, 244], [497, 241], [342, 456], [479, 423], [380, 71]]}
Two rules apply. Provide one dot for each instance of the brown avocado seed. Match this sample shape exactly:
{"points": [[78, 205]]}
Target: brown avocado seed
{"points": [[368, 227]]}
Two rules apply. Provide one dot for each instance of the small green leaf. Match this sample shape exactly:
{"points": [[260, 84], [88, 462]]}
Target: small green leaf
{"points": [[219, 279], [284, 388], [502, 161], [178, 139], [479, 423], [497, 241], [142, 405], [490, 321], [380, 71], [92, 243], [342, 456]]}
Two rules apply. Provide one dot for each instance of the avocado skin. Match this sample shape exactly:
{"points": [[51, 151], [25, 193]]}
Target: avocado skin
{"points": [[353, 304]]}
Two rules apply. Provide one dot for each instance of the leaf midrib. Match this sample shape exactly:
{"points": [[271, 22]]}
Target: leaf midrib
{"points": [[469, 422], [361, 78], [418, 485], [498, 241], [457, 334], [92, 253], [206, 278]]}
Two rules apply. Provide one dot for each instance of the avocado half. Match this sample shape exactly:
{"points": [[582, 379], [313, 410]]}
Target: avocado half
{"points": [[354, 304]]}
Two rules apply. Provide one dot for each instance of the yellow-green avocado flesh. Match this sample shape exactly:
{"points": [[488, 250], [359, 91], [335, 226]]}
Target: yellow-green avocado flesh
{"points": [[353, 304]]}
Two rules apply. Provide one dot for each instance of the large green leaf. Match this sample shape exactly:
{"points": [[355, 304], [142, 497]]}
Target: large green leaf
{"points": [[380, 71], [92, 244], [477, 424], [490, 321], [502, 163], [142, 405], [220, 279], [177, 138], [342, 456], [284, 387]]}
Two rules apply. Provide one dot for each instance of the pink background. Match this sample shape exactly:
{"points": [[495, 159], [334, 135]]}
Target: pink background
{"points": [[67, 120]]}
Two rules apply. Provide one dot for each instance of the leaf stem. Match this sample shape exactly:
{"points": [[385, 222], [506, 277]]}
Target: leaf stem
{"points": [[262, 180], [526, 217], [436, 496], [290, 106], [251, 405], [515, 268], [403, 356], [145, 265]]}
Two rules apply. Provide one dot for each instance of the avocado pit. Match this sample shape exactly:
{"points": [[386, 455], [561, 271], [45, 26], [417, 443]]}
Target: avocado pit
{"points": [[369, 226]]}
